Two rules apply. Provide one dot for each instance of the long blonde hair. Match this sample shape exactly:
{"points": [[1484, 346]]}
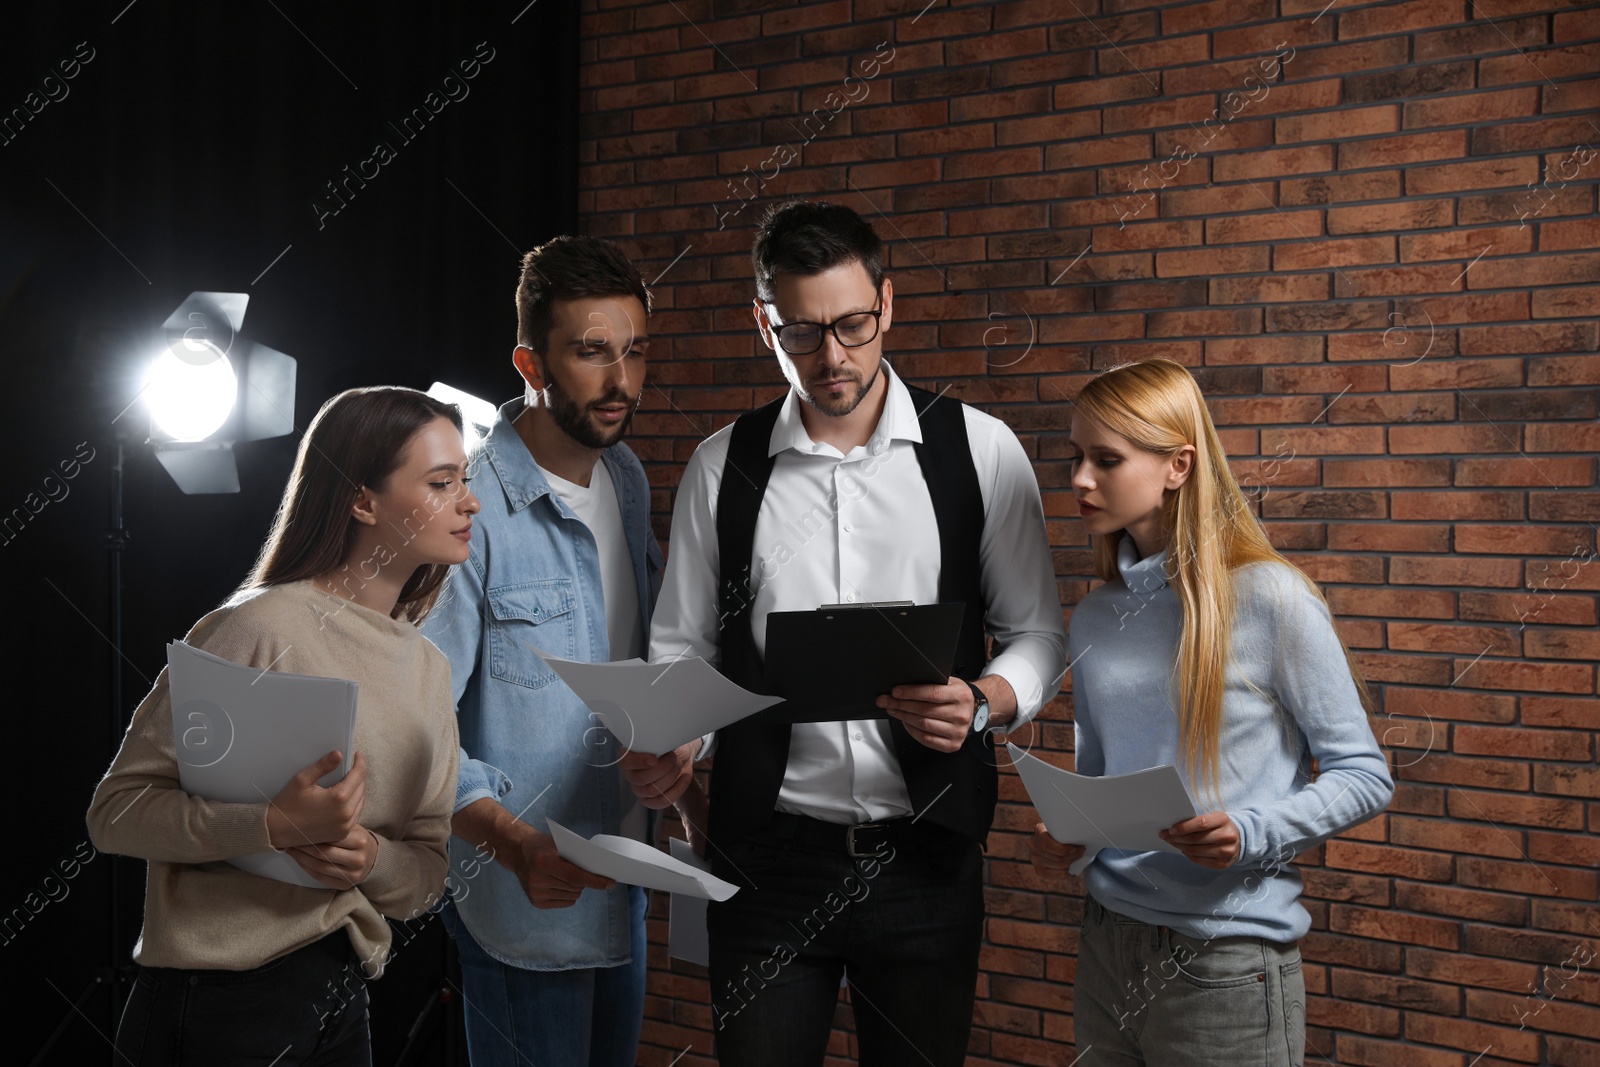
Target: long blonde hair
{"points": [[1211, 532]]}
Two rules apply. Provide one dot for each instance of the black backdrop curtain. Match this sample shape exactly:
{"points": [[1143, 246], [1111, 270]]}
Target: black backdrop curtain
{"points": [[369, 174]]}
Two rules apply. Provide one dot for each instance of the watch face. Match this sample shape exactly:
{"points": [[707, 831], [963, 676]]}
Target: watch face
{"points": [[980, 717]]}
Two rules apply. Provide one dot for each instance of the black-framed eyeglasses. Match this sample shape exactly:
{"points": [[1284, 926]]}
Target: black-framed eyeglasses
{"points": [[851, 331]]}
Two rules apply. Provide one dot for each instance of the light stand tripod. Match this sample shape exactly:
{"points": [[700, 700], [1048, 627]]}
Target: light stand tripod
{"points": [[114, 975]]}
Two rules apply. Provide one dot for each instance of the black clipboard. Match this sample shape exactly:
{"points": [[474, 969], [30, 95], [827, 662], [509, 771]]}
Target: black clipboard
{"points": [[831, 664]]}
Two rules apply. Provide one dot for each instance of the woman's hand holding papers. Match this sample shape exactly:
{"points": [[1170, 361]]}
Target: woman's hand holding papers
{"points": [[342, 864], [304, 813], [1211, 840], [1051, 857]]}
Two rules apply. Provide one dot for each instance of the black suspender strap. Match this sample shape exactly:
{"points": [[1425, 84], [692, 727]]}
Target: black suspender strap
{"points": [[752, 754], [956, 790]]}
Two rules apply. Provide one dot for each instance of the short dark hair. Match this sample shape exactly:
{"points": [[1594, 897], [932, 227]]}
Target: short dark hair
{"points": [[809, 237], [566, 268]]}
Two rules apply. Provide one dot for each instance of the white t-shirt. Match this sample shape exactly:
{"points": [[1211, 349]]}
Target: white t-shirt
{"points": [[596, 505]]}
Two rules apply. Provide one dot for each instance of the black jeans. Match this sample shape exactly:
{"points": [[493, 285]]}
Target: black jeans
{"points": [[305, 1009], [903, 928]]}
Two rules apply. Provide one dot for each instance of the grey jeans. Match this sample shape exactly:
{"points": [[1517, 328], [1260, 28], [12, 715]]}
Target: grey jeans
{"points": [[1150, 995]]}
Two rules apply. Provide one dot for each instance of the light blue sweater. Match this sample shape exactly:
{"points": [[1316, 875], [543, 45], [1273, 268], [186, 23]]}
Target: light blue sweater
{"points": [[1289, 698]]}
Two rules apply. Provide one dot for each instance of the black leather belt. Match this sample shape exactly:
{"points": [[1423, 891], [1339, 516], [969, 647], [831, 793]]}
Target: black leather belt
{"points": [[867, 840]]}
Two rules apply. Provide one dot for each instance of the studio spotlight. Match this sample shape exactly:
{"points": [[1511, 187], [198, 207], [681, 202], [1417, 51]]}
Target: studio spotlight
{"points": [[210, 388], [190, 401], [477, 414], [205, 388]]}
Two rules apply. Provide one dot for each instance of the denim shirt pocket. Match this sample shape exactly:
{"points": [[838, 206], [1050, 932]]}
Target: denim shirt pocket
{"points": [[530, 618]]}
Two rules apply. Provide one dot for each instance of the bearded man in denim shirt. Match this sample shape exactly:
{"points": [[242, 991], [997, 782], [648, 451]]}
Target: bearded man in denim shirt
{"points": [[563, 563]]}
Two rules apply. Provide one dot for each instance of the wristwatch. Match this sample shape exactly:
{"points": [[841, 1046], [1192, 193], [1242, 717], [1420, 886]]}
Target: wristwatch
{"points": [[980, 712]]}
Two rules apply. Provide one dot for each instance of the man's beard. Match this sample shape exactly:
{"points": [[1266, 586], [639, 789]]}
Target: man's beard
{"points": [[574, 420], [839, 407]]}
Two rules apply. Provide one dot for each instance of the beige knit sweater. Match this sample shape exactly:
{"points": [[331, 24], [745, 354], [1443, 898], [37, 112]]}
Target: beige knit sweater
{"points": [[203, 912]]}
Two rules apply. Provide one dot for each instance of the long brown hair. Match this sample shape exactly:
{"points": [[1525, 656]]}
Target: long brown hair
{"points": [[359, 438], [1211, 532]]}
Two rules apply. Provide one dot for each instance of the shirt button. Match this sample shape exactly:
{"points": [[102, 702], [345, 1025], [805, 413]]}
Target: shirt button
{"points": [[849, 527], [850, 598], [857, 735]]}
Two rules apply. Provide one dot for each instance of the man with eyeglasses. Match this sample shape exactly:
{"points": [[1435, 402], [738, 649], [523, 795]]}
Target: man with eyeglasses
{"points": [[857, 844]]}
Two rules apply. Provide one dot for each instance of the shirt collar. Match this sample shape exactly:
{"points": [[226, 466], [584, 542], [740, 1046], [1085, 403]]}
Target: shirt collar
{"points": [[1141, 575], [513, 464], [899, 421]]}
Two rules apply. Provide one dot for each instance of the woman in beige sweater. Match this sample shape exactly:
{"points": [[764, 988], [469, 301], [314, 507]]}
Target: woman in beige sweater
{"points": [[238, 968]]}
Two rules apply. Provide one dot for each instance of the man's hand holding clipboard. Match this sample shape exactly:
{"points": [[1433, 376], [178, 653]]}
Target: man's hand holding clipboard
{"points": [[942, 716], [873, 660]]}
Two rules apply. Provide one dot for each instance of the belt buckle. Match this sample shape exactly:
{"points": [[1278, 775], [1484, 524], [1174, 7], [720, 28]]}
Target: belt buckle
{"points": [[850, 841]]}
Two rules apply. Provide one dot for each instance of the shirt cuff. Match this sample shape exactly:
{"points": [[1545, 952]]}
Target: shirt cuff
{"points": [[478, 780], [385, 871], [1024, 682], [1243, 859], [467, 799], [239, 829]]}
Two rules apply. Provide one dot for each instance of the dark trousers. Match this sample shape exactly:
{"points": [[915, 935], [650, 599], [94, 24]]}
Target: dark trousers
{"points": [[903, 928], [305, 1009]]}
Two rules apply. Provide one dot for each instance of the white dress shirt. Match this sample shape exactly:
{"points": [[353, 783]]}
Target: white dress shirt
{"points": [[859, 527]]}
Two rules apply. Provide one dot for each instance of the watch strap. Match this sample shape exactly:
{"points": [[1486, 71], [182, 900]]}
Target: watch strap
{"points": [[978, 698]]}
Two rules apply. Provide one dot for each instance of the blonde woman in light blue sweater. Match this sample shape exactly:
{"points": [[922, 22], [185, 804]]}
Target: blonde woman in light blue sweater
{"points": [[1207, 649]]}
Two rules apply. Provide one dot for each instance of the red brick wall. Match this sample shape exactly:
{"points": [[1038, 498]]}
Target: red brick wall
{"points": [[1371, 230]]}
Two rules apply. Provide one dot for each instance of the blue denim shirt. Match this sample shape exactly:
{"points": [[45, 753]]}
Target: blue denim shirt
{"points": [[532, 581]]}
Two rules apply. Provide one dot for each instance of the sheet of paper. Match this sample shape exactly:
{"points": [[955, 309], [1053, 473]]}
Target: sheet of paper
{"points": [[686, 916], [1124, 811], [241, 733], [636, 863], [655, 707]]}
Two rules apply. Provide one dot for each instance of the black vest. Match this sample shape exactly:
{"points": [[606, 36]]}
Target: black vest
{"points": [[955, 790]]}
